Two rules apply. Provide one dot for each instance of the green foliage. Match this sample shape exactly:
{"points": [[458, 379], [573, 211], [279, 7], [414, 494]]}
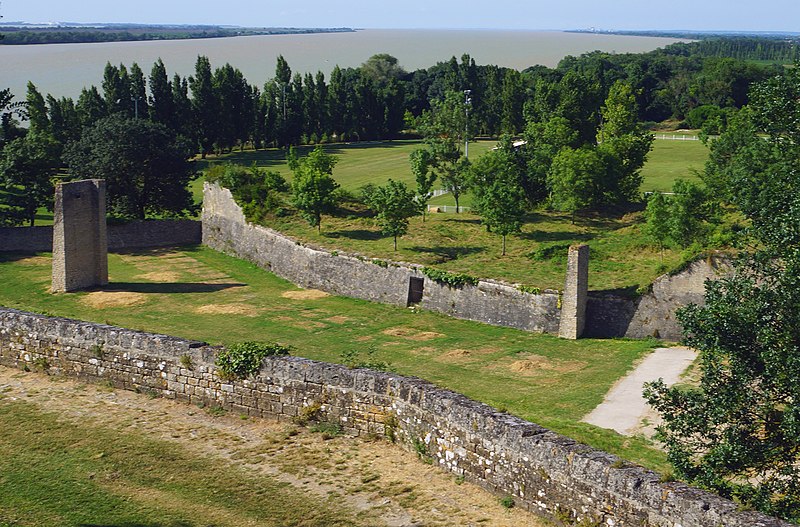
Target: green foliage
{"points": [[422, 166], [573, 179], [328, 429], [531, 290], [27, 168], [393, 204], [352, 358], [312, 186], [496, 182], [145, 165], [450, 279], [244, 359], [256, 190], [507, 502], [738, 432]]}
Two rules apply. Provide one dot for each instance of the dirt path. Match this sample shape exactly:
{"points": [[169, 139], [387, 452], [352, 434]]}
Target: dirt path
{"points": [[624, 409], [372, 476]]}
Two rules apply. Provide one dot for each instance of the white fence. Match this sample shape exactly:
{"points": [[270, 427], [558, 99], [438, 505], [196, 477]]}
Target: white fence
{"points": [[447, 208], [677, 137]]}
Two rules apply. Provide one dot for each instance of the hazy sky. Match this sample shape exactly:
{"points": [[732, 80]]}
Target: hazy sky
{"points": [[766, 15]]}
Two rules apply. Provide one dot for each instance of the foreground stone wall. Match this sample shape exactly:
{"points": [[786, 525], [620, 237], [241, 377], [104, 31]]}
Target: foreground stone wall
{"points": [[226, 229], [546, 473], [133, 235]]}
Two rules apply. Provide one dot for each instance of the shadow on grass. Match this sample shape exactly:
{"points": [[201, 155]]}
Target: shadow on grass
{"points": [[548, 236], [173, 287], [445, 254], [355, 234]]}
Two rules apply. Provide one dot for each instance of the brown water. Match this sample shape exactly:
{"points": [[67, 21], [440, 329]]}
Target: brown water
{"points": [[63, 69]]}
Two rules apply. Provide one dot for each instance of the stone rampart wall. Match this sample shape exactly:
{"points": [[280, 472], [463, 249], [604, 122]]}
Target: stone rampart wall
{"points": [[546, 473], [226, 229], [134, 235]]}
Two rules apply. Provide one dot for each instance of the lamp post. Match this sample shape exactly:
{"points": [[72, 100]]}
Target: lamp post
{"points": [[467, 104], [136, 106]]}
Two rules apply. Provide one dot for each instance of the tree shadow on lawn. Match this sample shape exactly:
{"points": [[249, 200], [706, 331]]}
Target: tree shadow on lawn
{"points": [[549, 236], [445, 254], [167, 287], [355, 234]]}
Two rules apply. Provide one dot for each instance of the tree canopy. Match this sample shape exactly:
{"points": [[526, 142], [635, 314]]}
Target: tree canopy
{"points": [[145, 165], [313, 185], [738, 431]]}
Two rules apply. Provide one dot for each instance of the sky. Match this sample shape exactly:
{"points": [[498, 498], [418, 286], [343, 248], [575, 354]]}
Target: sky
{"points": [[766, 15]]}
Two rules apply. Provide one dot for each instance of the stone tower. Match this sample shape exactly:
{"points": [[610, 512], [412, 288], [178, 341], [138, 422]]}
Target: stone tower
{"points": [[80, 245]]}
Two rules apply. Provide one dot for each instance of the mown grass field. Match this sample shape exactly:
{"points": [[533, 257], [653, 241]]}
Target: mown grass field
{"points": [[201, 294]]}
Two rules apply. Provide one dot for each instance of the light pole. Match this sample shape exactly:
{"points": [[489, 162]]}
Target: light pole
{"points": [[467, 104], [136, 106]]}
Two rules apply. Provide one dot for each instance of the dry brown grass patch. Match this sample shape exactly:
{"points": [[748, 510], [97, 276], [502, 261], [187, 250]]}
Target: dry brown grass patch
{"points": [[161, 276], [228, 309], [411, 333], [35, 261], [305, 294], [106, 299]]}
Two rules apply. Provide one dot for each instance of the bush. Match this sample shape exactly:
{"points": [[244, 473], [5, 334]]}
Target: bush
{"points": [[244, 359]]}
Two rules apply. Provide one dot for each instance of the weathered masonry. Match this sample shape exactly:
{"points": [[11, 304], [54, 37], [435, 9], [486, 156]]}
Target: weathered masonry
{"points": [[546, 473], [80, 245], [604, 315]]}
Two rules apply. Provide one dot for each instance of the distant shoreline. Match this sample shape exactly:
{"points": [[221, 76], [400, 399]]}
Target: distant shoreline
{"points": [[25, 34]]}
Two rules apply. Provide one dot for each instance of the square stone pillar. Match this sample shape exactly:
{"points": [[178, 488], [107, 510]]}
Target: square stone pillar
{"points": [[576, 291], [80, 243]]}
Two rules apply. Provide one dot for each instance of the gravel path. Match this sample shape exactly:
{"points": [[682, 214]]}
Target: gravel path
{"points": [[624, 409]]}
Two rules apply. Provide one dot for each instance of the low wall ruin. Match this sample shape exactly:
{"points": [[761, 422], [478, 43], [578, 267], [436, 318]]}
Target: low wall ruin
{"points": [[546, 473], [133, 235]]}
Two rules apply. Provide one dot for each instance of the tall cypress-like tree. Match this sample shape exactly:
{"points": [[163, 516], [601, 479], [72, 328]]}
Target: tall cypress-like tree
{"points": [[205, 109]]}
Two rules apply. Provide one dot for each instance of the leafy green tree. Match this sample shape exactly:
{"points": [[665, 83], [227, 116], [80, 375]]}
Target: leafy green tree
{"points": [[624, 144], [657, 220], [738, 431], [146, 166], [394, 204], [90, 107], [573, 179], [161, 102], [64, 119], [496, 183], [38, 120], [27, 168], [313, 185], [138, 95], [205, 109], [422, 166]]}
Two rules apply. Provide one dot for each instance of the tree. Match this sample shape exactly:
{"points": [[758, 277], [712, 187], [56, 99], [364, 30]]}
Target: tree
{"points": [[27, 168], [657, 217], [394, 204], [738, 431], [572, 179], [422, 166], [146, 166], [204, 105], [313, 185], [496, 183]]}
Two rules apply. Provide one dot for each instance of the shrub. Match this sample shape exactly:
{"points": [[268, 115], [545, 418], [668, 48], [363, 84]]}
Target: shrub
{"points": [[448, 278], [244, 359]]}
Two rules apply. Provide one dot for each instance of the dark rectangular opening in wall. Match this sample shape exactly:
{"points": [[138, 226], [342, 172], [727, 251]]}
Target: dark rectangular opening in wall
{"points": [[415, 288]]}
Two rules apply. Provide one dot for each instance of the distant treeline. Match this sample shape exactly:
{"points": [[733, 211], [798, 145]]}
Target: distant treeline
{"points": [[16, 36], [218, 109], [774, 47]]}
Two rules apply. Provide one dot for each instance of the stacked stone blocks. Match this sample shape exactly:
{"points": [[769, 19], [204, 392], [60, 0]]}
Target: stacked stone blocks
{"points": [[546, 473]]}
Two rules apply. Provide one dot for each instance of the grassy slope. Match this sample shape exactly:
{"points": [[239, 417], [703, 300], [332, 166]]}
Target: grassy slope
{"points": [[56, 473], [545, 379]]}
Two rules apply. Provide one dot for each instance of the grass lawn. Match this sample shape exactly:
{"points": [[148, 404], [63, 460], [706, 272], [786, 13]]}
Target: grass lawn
{"points": [[55, 472], [670, 160], [201, 294]]}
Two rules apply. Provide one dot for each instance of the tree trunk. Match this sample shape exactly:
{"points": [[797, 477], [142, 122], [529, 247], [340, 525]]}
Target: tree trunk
{"points": [[504, 245], [395, 243]]}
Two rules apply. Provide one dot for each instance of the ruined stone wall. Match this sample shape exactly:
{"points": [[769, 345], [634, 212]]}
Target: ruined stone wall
{"points": [[546, 473], [133, 235], [226, 229], [653, 314]]}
